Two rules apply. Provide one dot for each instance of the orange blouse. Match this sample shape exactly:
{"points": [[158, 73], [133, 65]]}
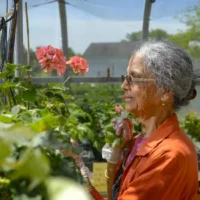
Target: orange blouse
{"points": [[164, 168]]}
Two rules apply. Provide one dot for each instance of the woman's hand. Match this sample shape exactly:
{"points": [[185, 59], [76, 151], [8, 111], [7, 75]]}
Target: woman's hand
{"points": [[123, 127], [77, 158], [85, 172]]}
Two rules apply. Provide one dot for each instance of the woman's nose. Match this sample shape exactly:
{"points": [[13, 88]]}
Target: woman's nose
{"points": [[125, 86]]}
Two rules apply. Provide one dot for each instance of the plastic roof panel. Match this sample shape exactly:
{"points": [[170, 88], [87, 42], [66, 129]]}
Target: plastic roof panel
{"points": [[115, 9], [125, 9]]}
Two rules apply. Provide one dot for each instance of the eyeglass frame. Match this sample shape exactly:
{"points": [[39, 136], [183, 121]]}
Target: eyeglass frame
{"points": [[130, 82]]}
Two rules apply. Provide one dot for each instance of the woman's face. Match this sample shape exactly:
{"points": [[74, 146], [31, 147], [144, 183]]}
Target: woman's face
{"points": [[141, 97]]}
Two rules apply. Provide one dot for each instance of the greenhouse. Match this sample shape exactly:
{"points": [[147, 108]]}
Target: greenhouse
{"points": [[99, 99]]}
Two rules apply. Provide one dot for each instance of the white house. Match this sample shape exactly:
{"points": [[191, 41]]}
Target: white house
{"points": [[114, 55]]}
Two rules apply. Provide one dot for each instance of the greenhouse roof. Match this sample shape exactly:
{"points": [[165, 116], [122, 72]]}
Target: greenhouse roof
{"points": [[123, 9]]}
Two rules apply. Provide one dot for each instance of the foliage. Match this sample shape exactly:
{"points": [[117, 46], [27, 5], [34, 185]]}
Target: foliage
{"points": [[96, 91], [181, 38], [37, 121], [101, 110], [134, 36], [191, 18], [191, 124], [157, 34]]}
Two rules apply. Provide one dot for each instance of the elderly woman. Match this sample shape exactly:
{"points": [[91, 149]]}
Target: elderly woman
{"points": [[161, 162]]}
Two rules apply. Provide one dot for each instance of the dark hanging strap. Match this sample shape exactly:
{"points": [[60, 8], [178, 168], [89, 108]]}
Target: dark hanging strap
{"points": [[3, 42], [9, 19]]}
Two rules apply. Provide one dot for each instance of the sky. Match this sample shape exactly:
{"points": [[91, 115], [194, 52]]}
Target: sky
{"points": [[97, 21]]}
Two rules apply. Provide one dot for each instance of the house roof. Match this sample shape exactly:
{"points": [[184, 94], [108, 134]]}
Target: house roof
{"points": [[111, 49]]}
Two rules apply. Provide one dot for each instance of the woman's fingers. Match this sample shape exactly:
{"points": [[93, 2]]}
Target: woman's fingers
{"points": [[69, 153], [74, 142], [124, 128], [77, 158], [119, 128], [127, 130]]}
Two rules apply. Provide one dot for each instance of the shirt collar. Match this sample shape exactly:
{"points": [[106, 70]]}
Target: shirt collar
{"points": [[163, 131]]}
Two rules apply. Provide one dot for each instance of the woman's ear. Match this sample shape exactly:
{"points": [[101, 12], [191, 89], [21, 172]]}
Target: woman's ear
{"points": [[167, 97]]}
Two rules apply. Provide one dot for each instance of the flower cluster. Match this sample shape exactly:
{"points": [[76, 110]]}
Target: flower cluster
{"points": [[118, 109], [78, 64], [51, 58]]}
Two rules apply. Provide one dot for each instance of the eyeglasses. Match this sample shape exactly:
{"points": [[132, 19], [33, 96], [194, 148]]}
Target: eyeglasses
{"points": [[130, 80]]}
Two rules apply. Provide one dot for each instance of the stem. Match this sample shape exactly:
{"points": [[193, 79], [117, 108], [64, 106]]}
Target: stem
{"points": [[66, 80], [12, 95], [8, 100], [1, 102], [40, 70]]}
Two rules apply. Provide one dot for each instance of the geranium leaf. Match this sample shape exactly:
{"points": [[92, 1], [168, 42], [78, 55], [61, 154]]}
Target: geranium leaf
{"points": [[116, 142], [5, 119], [27, 165], [10, 67], [29, 95], [5, 149]]}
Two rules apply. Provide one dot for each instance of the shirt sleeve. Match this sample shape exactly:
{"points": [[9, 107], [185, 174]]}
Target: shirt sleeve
{"points": [[95, 194], [163, 178]]}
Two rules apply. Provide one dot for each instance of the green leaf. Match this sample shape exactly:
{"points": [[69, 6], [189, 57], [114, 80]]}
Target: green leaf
{"points": [[26, 117], [48, 122], [10, 67], [4, 181], [5, 149], [81, 127], [49, 94], [90, 135], [7, 85], [5, 119], [116, 142], [3, 74], [110, 128], [24, 68], [39, 126], [18, 130], [32, 164], [60, 188], [29, 95], [25, 86], [110, 137], [58, 96], [56, 86]]}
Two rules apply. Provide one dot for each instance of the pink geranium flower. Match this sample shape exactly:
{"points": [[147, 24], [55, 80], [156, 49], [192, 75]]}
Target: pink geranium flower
{"points": [[78, 64], [41, 53], [118, 109], [51, 58]]}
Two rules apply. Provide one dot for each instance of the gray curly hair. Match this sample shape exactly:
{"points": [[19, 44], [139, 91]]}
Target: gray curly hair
{"points": [[172, 68]]}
